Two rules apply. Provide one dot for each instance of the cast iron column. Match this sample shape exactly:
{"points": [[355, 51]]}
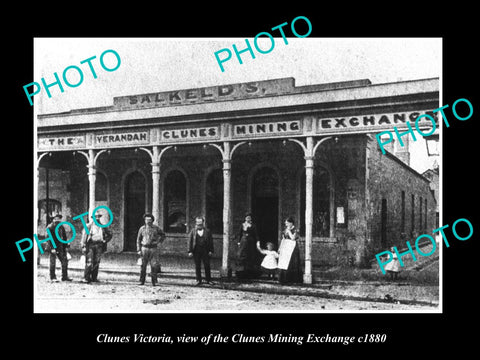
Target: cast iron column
{"points": [[156, 183], [227, 213], [227, 153], [307, 276]]}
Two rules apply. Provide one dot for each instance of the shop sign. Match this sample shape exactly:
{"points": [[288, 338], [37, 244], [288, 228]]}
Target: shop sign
{"points": [[267, 129], [372, 123], [190, 134], [121, 139], [61, 143], [207, 94]]}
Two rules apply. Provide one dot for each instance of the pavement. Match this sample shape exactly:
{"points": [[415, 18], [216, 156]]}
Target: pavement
{"points": [[418, 282]]}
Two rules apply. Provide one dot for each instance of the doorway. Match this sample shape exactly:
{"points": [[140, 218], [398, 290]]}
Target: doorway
{"points": [[134, 209], [383, 227], [265, 205]]}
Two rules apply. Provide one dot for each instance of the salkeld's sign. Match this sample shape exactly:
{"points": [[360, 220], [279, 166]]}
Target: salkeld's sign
{"points": [[207, 94]]}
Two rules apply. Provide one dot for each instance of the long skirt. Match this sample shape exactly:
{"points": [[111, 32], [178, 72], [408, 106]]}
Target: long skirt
{"points": [[248, 259], [294, 272]]}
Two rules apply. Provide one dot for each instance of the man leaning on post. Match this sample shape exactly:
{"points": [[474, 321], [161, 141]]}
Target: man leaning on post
{"points": [[148, 238]]}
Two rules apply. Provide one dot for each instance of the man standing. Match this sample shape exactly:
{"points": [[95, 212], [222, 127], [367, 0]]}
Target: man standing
{"points": [[148, 238], [93, 246], [200, 247], [60, 251]]}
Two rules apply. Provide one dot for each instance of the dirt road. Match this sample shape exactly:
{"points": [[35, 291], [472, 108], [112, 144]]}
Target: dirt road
{"points": [[120, 293]]}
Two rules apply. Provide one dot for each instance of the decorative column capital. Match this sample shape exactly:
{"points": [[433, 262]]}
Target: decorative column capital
{"points": [[155, 167], [92, 169]]}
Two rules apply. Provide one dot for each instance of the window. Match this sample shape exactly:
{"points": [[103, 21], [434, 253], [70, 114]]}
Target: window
{"points": [[425, 222], [420, 203], [214, 201], [54, 208], [101, 187], [402, 224], [175, 202], [320, 204], [413, 214]]}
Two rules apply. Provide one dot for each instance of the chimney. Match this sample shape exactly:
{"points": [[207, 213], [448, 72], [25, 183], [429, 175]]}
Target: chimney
{"points": [[403, 152]]}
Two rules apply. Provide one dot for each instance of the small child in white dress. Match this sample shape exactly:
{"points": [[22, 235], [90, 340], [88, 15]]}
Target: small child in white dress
{"points": [[269, 263], [393, 267]]}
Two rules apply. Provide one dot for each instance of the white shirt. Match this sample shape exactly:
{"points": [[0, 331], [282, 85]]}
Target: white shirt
{"points": [[96, 232]]}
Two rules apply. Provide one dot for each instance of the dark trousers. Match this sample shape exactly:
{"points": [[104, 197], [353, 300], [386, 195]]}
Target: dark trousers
{"points": [[93, 257], [201, 254], [62, 256], [150, 256]]}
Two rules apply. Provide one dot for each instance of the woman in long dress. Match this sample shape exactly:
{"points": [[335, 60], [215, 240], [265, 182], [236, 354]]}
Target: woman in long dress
{"points": [[293, 274], [247, 254]]}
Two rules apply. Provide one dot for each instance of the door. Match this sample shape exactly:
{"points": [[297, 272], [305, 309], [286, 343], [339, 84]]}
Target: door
{"points": [[383, 230], [134, 209], [265, 205]]}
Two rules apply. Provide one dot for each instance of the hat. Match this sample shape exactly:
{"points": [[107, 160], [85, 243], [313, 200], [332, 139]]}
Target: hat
{"points": [[149, 215]]}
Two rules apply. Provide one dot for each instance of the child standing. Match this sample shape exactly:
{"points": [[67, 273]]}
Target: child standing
{"points": [[393, 267], [269, 263]]}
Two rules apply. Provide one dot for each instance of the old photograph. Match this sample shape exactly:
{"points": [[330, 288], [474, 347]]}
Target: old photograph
{"points": [[216, 175]]}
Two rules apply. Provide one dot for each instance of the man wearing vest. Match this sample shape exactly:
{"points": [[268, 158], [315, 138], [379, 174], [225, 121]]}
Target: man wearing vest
{"points": [[148, 238], [93, 245], [200, 247]]}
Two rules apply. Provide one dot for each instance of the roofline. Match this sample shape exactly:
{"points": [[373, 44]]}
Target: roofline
{"points": [[393, 157], [303, 89]]}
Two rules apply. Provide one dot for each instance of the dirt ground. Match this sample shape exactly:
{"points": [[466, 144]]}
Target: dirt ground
{"points": [[120, 293]]}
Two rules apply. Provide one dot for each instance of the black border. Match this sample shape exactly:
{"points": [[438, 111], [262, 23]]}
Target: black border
{"points": [[427, 333]]}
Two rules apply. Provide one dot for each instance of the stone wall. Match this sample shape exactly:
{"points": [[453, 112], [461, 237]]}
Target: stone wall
{"points": [[387, 178]]}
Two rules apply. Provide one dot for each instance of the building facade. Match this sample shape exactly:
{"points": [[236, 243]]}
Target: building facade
{"points": [[267, 147]]}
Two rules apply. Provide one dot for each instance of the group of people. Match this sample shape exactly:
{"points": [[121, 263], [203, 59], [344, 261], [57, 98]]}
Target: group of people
{"points": [[251, 260], [93, 244]]}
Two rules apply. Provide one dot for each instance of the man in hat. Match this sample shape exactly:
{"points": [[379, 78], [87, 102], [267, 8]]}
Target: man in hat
{"points": [[93, 246], [60, 251], [148, 238]]}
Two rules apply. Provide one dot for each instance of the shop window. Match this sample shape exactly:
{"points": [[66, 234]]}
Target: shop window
{"points": [[54, 208], [214, 201], [101, 188], [320, 206], [175, 202]]}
